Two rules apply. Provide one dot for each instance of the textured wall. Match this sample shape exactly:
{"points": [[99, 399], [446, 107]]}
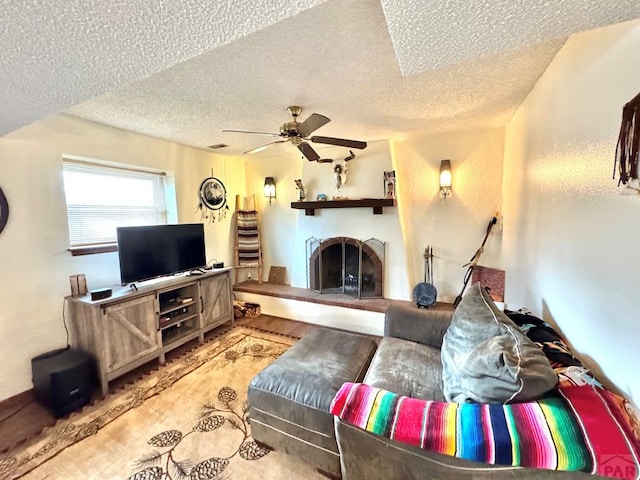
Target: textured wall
{"points": [[34, 262], [278, 220], [364, 180], [454, 228], [285, 230], [570, 239]]}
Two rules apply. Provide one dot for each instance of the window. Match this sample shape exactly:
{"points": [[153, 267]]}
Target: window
{"points": [[103, 197]]}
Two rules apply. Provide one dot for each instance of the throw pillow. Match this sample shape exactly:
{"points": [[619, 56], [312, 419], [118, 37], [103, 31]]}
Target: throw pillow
{"points": [[569, 369], [546, 338], [486, 358]]}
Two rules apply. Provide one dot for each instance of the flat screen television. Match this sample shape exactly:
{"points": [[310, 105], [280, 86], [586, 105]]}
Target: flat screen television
{"points": [[155, 250]]}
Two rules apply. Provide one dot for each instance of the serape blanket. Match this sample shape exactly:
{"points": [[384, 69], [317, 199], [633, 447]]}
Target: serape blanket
{"points": [[577, 429], [248, 237]]}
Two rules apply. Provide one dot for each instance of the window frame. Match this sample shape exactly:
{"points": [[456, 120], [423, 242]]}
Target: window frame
{"points": [[170, 208]]}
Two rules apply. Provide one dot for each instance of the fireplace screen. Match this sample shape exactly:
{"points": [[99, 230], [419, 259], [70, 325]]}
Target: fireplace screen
{"points": [[346, 265]]}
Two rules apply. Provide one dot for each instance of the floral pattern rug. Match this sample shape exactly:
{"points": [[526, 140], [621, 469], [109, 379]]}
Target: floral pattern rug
{"points": [[186, 420]]}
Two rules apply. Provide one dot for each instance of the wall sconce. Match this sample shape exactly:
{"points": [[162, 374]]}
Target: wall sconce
{"points": [[269, 188], [445, 178]]}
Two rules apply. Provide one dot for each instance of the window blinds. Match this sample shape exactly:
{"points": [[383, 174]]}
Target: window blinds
{"points": [[101, 198]]}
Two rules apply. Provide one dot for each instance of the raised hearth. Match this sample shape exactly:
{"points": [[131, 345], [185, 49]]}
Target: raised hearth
{"points": [[338, 300]]}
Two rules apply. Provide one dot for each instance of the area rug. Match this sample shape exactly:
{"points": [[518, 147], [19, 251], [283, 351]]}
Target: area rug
{"points": [[188, 419]]}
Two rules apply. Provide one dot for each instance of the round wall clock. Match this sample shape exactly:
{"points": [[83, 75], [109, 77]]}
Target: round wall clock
{"points": [[4, 211]]}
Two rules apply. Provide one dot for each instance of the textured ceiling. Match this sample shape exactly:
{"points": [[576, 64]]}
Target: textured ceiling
{"points": [[185, 70]]}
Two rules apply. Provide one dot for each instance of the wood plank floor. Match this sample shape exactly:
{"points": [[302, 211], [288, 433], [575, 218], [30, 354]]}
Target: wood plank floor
{"points": [[22, 417]]}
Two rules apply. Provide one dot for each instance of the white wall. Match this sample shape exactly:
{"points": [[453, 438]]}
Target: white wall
{"points": [[285, 230], [571, 242], [455, 228], [34, 262], [364, 180], [33, 248], [351, 319], [278, 220]]}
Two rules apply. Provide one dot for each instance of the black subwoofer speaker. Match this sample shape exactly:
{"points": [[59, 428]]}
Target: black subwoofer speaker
{"points": [[63, 380]]}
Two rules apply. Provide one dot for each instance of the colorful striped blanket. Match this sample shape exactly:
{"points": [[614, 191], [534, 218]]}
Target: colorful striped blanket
{"points": [[579, 429]]}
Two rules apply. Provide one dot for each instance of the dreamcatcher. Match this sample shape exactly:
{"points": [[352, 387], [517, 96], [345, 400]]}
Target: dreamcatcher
{"points": [[212, 195]]}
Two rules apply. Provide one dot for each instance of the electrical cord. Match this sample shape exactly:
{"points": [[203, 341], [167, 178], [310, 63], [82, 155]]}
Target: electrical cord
{"points": [[7, 417], [64, 320]]}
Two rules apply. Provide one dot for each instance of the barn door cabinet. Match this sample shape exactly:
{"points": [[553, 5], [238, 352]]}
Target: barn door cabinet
{"points": [[217, 303], [133, 327]]}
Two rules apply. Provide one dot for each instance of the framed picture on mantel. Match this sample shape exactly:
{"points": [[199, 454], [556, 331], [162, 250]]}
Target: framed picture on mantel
{"points": [[390, 184]]}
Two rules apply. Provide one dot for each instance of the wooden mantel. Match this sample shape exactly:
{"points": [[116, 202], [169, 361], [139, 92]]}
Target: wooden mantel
{"points": [[375, 203]]}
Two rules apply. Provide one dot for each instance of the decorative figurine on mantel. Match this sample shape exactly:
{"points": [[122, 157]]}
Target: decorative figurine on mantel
{"points": [[302, 193]]}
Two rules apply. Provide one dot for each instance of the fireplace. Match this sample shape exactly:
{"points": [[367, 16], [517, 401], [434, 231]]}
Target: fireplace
{"points": [[346, 265]]}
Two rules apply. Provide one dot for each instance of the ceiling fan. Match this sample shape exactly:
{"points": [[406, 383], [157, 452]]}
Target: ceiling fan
{"points": [[298, 134]]}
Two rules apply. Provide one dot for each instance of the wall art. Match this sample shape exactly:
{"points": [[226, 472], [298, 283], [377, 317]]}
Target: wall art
{"points": [[390, 184], [212, 199]]}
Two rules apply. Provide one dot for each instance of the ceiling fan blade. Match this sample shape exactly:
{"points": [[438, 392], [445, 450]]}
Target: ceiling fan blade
{"points": [[341, 142], [311, 124], [325, 160], [255, 133], [262, 147], [308, 151]]}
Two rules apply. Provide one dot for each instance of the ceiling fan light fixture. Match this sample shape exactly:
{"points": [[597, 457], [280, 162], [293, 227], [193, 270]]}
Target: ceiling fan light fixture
{"points": [[298, 133], [289, 128], [294, 111]]}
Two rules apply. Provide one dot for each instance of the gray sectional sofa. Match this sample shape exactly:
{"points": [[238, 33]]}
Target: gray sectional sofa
{"points": [[475, 355], [408, 362]]}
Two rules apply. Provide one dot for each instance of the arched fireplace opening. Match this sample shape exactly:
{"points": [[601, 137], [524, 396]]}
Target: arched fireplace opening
{"points": [[346, 265]]}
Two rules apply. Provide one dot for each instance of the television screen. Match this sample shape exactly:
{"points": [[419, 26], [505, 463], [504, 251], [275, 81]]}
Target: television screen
{"points": [[155, 250]]}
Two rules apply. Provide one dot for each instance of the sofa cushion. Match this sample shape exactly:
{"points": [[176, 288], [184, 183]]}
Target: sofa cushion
{"points": [[407, 368], [486, 358], [289, 400]]}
